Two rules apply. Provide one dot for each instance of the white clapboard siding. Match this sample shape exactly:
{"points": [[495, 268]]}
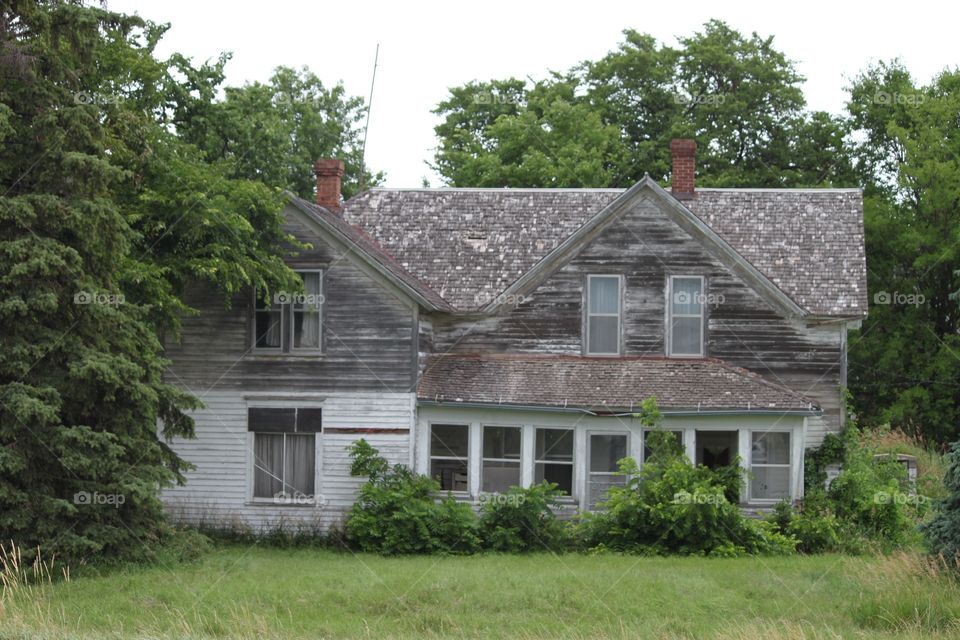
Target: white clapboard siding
{"points": [[216, 492]]}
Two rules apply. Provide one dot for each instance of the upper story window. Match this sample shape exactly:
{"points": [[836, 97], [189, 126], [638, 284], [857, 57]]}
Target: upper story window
{"points": [[685, 316], [290, 321], [603, 315]]}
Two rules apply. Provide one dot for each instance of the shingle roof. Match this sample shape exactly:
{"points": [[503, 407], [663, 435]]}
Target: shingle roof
{"points": [[469, 245], [360, 241], [603, 384]]}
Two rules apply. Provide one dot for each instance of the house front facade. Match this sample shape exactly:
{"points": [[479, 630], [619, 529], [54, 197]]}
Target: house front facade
{"points": [[501, 337]]}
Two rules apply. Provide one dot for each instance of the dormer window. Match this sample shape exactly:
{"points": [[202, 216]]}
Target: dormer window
{"points": [[685, 316], [603, 315]]}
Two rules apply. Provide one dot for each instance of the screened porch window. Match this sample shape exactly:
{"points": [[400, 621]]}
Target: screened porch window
{"points": [[500, 466], [284, 452], [553, 458], [603, 315], [685, 330], [770, 462], [449, 455]]}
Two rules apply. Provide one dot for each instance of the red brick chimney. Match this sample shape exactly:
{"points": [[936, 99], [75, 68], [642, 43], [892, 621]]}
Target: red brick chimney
{"points": [[329, 172], [684, 152]]}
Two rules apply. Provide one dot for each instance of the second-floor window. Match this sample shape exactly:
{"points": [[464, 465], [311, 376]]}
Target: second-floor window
{"points": [[290, 322], [603, 315], [685, 323]]}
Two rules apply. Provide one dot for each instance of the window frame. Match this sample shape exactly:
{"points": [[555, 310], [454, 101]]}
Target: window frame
{"points": [[467, 460], [287, 318], [588, 472], [587, 315], [671, 315], [573, 458], [252, 498], [519, 460], [767, 465]]}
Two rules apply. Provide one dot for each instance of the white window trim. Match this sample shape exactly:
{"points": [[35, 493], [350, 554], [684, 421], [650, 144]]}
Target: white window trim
{"points": [[431, 458], [291, 313], [765, 465], [573, 458], [318, 500], [519, 461], [588, 315], [671, 315]]}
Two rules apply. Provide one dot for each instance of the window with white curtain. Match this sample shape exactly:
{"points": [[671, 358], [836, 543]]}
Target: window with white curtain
{"points": [[685, 325], [770, 465], [603, 315], [291, 321], [284, 452]]}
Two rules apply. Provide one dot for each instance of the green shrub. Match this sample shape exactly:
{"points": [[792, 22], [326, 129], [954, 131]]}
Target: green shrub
{"points": [[523, 520], [942, 533], [397, 511], [814, 531], [672, 506]]}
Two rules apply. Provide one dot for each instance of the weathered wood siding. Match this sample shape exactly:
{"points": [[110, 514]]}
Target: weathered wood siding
{"points": [[217, 492], [646, 247], [369, 335]]}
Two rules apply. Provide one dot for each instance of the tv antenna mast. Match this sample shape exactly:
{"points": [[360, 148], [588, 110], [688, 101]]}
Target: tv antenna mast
{"points": [[366, 127]]}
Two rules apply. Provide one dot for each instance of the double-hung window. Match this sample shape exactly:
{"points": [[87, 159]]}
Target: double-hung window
{"points": [[290, 322], [500, 465], [770, 465], [449, 455], [603, 315], [553, 458], [685, 311], [284, 452]]}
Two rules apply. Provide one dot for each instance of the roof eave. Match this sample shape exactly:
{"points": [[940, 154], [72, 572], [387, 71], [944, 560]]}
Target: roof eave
{"points": [[623, 411]]}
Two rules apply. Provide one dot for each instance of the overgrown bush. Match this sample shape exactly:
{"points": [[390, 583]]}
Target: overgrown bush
{"points": [[397, 511], [814, 531], [942, 533], [523, 520], [672, 506]]}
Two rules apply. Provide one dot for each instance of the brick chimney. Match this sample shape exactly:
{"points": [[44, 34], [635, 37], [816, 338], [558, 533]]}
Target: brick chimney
{"points": [[329, 172], [684, 151]]}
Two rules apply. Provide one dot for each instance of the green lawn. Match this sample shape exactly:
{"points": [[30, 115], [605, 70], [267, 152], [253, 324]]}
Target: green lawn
{"points": [[251, 592]]}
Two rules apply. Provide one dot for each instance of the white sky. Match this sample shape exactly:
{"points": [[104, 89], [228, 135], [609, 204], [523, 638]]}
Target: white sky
{"points": [[427, 47]]}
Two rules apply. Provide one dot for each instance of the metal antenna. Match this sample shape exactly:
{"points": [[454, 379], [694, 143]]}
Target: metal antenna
{"points": [[366, 127]]}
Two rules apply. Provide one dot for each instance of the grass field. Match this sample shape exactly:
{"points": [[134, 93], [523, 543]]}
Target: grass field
{"points": [[251, 592]]}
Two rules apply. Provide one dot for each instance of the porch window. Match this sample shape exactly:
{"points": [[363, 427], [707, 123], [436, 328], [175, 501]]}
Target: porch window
{"points": [[646, 450], [603, 315], [290, 321], [770, 464], [500, 468], [449, 455], [553, 458], [685, 325], [284, 452], [606, 450]]}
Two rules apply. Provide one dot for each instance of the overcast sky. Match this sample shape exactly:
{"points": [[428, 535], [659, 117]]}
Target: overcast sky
{"points": [[427, 47]]}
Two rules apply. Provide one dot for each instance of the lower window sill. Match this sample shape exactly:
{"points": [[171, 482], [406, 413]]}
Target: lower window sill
{"points": [[284, 357]]}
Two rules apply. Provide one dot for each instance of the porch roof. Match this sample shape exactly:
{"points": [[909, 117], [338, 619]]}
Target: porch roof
{"points": [[604, 385]]}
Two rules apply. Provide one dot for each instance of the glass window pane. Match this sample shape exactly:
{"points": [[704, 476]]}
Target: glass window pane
{"points": [[686, 295], [604, 294], [771, 447], [271, 419], [299, 468], [770, 483], [498, 477], [555, 445], [605, 451], [310, 420], [449, 440], [267, 465], [267, 329], [602, 335], [686, 336], [501, 442], [306, 329], [451, 474], [598, 486], [559, 474]]}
